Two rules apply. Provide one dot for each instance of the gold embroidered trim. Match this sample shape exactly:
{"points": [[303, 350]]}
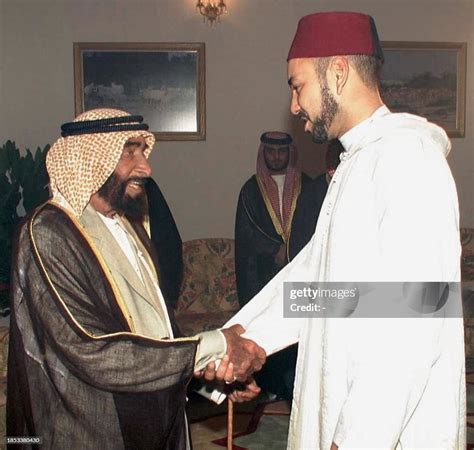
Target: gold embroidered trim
{"points": [[101, 262], [296, 195], [284, 234], [271, 211], [103, 265]]}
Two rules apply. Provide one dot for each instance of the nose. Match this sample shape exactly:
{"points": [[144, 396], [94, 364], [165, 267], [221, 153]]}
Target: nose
{"points": [[294, 106], [143, 166]]}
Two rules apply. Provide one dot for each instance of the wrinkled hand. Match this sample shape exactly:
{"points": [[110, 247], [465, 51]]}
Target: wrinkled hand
{"points": [[280, 257], [245, 355], [250, 391], [225, 371]]}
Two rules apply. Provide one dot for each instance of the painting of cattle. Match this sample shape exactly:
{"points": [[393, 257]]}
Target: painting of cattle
{"points": [[163, 82]]}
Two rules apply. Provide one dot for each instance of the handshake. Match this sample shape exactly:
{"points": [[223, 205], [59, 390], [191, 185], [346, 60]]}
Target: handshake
{"points": [[243, 357]]}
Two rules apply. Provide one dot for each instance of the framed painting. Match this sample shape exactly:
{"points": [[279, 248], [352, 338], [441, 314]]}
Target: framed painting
{"points": [[163, 82], [427, 79]]}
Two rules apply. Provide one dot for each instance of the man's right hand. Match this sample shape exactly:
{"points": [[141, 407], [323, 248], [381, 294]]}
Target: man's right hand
{"points": [[245, 355]]}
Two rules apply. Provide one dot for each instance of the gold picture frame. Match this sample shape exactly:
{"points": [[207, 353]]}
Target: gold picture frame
{"points": [[428, 79], [163, 82]]}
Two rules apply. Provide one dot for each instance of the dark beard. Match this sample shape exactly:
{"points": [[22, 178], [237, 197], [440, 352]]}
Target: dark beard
{"points": [[114, 191], [329, 110], [277, 167]]}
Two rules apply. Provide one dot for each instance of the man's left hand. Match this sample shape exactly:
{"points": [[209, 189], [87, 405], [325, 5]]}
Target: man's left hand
{"points": [[250, 392]]}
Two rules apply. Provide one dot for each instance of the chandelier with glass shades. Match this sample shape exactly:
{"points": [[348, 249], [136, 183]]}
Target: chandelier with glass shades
{"points": [[211, 10]]}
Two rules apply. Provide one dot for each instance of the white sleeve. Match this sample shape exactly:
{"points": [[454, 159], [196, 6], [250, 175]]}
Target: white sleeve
{"points": [[263, 317]]}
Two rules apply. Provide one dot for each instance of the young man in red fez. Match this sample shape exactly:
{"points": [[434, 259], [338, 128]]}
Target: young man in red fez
{"points": [[379, 382]]}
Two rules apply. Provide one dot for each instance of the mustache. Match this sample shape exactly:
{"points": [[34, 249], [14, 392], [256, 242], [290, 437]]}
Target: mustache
{"points": [[302, 115]]}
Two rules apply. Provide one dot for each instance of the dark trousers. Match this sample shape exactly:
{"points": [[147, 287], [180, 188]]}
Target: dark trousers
{"points": [[278, 374]]}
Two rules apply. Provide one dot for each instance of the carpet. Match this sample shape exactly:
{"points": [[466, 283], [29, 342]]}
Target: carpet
{"points": [[264, 428]]}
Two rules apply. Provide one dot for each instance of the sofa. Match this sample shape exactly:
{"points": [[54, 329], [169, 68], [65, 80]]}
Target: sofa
{"points": [[467, 277], [208, 295]]}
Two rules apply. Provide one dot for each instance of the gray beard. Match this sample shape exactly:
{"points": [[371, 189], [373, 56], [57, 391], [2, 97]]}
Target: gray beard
{"points": [[114, 192]]}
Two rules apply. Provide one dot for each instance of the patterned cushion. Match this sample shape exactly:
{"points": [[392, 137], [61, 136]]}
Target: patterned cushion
{"points": [[209, 294], [467, 275], [192, 323]]}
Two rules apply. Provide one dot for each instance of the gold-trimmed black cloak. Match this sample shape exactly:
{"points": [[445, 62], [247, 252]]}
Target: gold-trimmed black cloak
{"points": [[77, 376]]}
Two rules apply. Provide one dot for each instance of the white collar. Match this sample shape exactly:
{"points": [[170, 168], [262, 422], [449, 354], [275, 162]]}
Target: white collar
{"points": [[352, 138]]}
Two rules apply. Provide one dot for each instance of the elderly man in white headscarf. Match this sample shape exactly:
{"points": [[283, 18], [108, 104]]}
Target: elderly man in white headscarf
{"points": [[93, 360]]}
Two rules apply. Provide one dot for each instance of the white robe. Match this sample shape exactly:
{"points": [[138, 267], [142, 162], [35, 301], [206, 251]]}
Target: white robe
{"points": [[391, 214]]}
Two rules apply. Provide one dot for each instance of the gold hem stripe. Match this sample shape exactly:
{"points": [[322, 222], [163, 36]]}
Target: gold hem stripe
{"points": [[271, 211], [290, 217], [101, 262], [284, 234]]}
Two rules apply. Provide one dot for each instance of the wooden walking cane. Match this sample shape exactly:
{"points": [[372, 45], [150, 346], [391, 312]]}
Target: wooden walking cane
{"points": [[230, 423]]}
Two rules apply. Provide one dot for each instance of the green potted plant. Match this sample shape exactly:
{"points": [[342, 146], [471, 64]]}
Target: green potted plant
{"points": [[23, 186]]}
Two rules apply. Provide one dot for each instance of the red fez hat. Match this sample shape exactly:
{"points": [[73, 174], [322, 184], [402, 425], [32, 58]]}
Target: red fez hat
{"points": [[335, 33]]}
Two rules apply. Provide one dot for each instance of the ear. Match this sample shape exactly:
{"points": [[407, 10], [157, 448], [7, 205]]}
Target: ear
{"points": [[339, 72]]}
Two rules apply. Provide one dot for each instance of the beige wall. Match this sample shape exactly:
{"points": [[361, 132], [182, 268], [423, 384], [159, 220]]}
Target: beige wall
{"points": [[246, 83]]}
